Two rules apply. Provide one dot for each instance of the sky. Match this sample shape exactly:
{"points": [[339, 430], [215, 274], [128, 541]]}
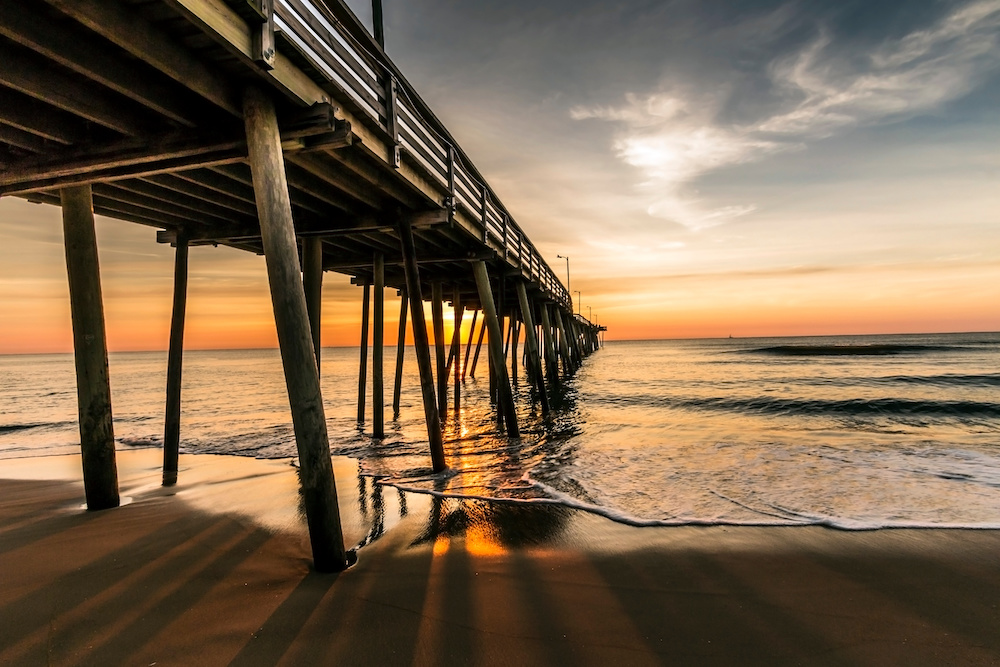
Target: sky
{"points": [[711, 168]]}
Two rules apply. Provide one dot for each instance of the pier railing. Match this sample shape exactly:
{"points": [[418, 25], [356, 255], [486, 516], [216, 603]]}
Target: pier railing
{"points": [[374, 89]]}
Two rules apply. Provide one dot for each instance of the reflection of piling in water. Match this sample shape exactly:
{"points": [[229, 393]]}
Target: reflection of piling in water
{"points": [[505, 524]]}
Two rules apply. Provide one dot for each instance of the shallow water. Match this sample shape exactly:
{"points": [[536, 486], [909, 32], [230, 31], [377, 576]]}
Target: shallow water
{"points": [[853, 432]]}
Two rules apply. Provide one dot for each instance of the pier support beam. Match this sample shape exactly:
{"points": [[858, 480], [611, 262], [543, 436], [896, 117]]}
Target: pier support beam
{"points": [[400, 347], [567, 363], [479, 347], [175, 361], [457, 346], [551, 365], [93, 386], [531, 344], [292, 322], [505, 397], [363, 370], [422, 346], [468, 345], [378, 400], [312, 282], [437, 313]]}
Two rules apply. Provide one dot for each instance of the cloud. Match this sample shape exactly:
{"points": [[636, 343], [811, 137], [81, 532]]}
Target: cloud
{"points": [[673, 137]]}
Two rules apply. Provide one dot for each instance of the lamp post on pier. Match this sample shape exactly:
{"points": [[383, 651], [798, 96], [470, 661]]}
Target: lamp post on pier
{"points": [[566, 257], [377, 24]]}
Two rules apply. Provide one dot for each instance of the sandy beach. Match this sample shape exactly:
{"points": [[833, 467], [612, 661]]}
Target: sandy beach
{"points": [[216, 571]]}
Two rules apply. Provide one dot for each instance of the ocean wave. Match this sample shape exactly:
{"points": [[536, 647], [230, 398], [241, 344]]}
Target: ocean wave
{"points": [[14, 428], [854, 350], [799, 407]]}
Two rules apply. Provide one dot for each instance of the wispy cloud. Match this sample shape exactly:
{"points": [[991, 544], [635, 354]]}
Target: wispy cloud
{"points": [[674, 137]]}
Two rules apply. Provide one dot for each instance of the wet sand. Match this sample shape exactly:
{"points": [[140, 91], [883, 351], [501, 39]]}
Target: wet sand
{"points": [[216, 571]]}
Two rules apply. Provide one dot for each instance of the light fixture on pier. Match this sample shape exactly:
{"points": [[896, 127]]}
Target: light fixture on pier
{"points": [[566, 257]]}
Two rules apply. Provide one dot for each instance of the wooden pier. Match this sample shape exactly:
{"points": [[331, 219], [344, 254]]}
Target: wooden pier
{"points": [[279, 127]]}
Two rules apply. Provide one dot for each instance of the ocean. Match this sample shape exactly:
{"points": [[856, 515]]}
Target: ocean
{"points": [[852, 432]]}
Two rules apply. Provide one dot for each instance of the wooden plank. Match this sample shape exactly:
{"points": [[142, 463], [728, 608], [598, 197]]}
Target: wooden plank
{"points": [[197, 191], [86, 55], [24, 113], [21, 139], [225, 26], [323, 179], [34, 76], [126, 28]]}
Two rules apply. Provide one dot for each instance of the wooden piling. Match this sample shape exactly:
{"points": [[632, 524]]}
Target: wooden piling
{"points": [[421, 346], [175, 355], [567, 364], [437, 313], [505, 398], [378, 401], [93, 386], [291, 319], [479, 346], [363, 370], [468, 345], [514, 358], [531, 344], [312, 282], [457, 346], [400, 347], [551, 366]]}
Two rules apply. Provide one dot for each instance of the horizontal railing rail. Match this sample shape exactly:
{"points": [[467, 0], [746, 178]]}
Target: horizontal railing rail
{"points": [[372, 87]]}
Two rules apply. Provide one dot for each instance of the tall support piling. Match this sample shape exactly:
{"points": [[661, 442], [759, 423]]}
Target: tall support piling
{"points": [[505, 398], [479, 346], [400, 347], [363, 369], [437, 313], [468, 345], [378, 335], [515, 335], [551, 366], [175, 358], [93, 386], [457, 346], [531, 345], [294, 340], [312, 282], [422, 346], [567, 363]]}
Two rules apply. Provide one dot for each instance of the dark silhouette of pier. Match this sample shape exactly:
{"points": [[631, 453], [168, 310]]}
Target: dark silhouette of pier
{"points": [[279, 127]]}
